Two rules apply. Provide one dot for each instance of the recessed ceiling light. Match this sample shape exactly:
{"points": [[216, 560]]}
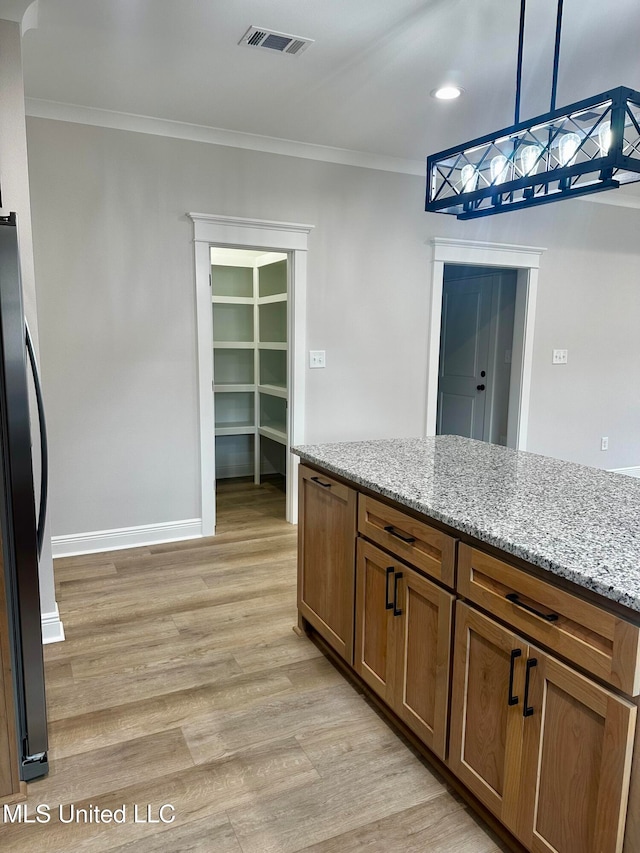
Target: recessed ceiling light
{"points": [[447, 93]]}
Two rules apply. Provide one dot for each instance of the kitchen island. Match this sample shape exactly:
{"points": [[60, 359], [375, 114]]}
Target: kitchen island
{"points": [[489, 599]]}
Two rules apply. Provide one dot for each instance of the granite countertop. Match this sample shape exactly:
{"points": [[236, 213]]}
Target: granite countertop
{"points": [[577, 522]]}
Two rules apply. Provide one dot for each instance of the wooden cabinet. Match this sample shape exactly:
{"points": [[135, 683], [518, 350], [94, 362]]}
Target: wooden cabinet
{"points": [[376, 583], [547, 750], [486, 730], [410, 539], [402, 645], [602, 644], [576, 762], [423, 658], [326, 558]]}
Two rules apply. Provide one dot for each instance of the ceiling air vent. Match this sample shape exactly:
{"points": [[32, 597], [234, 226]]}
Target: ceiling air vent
{"points": [[281, 42]]}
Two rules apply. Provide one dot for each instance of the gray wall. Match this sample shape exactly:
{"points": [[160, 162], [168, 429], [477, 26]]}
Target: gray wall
{"points": [[115, 278]]}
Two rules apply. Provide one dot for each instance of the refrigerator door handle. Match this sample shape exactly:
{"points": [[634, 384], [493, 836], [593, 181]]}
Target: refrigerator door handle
{"points": [[44, 451]]}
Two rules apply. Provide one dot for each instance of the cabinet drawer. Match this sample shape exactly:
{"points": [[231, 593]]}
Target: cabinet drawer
{"points": [[410, 539], [324, 483], [598, 641]]}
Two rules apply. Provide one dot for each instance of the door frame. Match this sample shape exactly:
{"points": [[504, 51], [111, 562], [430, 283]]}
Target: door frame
{"points": [[526, 260], [270, 236]]}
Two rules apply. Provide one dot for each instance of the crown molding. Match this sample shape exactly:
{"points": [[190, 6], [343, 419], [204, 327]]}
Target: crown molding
{"points": [[58, 111], [15, 10], [115, 120]]}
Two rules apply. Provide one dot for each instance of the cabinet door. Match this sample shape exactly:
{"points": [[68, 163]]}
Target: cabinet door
{"points": [[486, 711], [578, 742], [375, 621], [423, 658], [326, 558]]}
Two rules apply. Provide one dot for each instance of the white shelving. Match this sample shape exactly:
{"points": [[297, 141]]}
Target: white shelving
{"points": [[269, 300], [231, 388], [272, 416], [274, 390], [236, 429], [249, 306], [233, 322], [273, 434]]}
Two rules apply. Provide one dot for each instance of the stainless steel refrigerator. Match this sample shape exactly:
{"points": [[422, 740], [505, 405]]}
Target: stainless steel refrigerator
{"points": [[21, 525]]}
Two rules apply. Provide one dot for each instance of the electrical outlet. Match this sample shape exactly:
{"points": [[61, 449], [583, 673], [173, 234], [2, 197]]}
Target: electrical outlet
{"points": [[560, 356], [604, 442], [317, 358]]}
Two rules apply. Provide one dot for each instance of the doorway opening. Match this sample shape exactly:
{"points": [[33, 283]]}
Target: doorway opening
{"points": [[483, 299], [476, 346], [250, 389], [249, 290]]}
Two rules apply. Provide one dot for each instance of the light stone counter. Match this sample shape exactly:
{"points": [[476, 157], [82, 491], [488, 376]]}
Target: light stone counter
{"points": [[577, 522]]}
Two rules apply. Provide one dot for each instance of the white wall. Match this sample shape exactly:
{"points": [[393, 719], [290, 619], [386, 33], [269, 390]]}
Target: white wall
{"points": [[14, 182], [114, 266]]}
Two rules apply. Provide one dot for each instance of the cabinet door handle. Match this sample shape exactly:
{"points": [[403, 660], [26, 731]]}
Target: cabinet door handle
{"points": [[527, 710], [320, 483], [409, 539], [514, 599], [388, 604], [515, 653], [396, 610]]}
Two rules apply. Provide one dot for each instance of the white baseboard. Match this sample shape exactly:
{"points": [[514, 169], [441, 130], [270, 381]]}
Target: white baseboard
{"points": [[632, 472], [125, 537], [52, 627]]}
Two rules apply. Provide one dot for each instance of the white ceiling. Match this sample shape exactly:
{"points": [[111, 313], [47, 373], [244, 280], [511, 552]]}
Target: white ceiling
{"points": [[363, 85]]}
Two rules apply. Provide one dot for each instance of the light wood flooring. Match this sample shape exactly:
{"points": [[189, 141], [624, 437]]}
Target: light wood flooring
{"points": [[182, 682]]}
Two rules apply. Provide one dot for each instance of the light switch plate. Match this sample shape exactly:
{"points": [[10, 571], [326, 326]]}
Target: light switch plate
{"points": [[317, 358], [560, 356]]}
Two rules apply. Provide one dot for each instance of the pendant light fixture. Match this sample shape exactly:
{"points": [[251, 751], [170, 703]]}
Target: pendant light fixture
{"points": [[586, 147]]}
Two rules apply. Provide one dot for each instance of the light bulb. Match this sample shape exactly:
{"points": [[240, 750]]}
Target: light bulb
{"points": [[568, 148], [529, 159], [469, 177], [604, 138], [447, 93], [499, 169]]}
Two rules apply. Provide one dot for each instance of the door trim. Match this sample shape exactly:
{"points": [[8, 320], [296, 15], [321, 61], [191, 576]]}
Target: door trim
{"points": [[526, 259], [271, 236]]}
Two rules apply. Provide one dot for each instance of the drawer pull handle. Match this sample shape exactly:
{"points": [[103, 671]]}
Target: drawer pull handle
{"points": [[514, 599], [527, 710], [408, 539], [387, 603], [320, 483], [396, 610], [515, 653]]}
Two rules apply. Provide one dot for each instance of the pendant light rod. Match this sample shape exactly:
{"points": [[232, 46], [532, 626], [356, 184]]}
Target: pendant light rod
{"points": [[523, 4], [556, 56]]}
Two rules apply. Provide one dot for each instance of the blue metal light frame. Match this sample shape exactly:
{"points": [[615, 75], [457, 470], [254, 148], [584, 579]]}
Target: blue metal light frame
{"points": [[588, 170]]}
